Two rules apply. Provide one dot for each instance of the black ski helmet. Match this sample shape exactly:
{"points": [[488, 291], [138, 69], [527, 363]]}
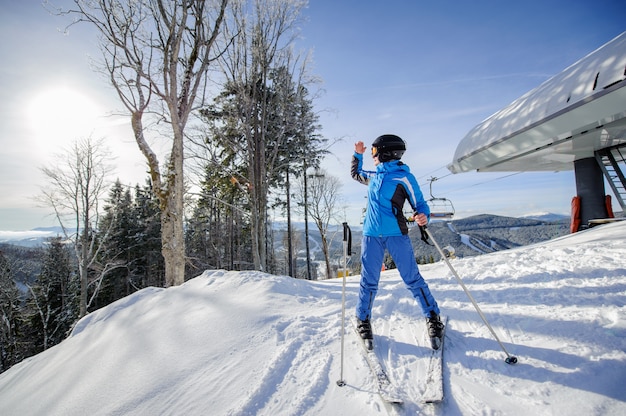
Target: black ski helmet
{"points": [[388, 147]]}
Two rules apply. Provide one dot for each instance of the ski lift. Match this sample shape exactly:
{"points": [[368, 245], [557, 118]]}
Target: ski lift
{"points": [[440, 208]]}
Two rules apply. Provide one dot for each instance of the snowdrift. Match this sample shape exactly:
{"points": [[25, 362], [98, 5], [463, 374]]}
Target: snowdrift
{"points": [[248, 343]]}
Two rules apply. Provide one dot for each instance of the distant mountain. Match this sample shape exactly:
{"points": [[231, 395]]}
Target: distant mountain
{"points": [[31, 238], [472, 236], [481, 234], [547, 216], [469, 236]]}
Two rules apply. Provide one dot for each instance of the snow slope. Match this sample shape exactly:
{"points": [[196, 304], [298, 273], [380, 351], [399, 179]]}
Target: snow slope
{"points": [[246, 343]]}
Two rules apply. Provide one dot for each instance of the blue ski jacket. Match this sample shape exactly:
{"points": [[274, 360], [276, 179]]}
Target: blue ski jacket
{"points": [[388, 188]]}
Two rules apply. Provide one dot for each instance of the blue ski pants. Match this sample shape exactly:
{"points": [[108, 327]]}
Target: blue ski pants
{"points": [[401, 250]]}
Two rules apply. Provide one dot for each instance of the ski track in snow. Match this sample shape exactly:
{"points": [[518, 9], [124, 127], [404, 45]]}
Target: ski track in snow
{"points": [[248, 343], [271, 395]]}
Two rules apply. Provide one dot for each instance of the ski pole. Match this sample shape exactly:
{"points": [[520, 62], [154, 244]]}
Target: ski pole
{"points": [[347, 243], [510, 359]]}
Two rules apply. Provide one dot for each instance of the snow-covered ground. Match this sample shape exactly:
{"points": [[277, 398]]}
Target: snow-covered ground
{"points": [[246, 343]]}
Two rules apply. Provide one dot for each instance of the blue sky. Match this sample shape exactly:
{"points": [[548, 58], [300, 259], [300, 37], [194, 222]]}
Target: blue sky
{"points": [[427, 71], [430, 71]]}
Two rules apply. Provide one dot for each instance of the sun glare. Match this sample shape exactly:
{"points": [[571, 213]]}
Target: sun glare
{"points": [[62, 113]]}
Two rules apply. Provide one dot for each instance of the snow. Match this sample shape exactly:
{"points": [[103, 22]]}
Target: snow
{"points": [[8, 236], [466, 239], [248, 343]]}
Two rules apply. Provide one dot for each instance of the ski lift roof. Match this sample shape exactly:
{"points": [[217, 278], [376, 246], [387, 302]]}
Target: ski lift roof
{"points": [[568, 117]]}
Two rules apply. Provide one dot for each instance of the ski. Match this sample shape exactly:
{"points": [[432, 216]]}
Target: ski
{"points": [[433, 392], [386, 389]]}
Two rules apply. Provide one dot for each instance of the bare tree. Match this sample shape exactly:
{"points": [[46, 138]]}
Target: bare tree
{"points": [[9, 316], [322, 195], [76, 183], [52, 313], [157, 55]]}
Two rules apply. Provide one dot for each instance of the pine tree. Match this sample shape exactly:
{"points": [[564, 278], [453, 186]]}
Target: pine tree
{"points": [[146, 262], [245, 118], [289, 145], [132, 243], [218, 231], [118, 222]]}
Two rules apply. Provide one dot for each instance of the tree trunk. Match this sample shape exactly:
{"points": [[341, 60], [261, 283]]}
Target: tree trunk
{"points": [[326, 255], [258, 198], [172, 217], [172, 248]]}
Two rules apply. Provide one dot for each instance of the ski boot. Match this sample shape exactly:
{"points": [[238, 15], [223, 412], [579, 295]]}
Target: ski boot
{"points": [[364, 328], [435, 330]]}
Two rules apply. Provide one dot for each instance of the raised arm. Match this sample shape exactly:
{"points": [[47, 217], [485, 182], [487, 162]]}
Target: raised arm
{"points": [[356, 168]]}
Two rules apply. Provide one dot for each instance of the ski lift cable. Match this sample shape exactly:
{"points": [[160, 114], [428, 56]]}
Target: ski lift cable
{"points": [[423, 185], [436, 178], [485, 182], [447, 210], [436, 170], [443, 208]]}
